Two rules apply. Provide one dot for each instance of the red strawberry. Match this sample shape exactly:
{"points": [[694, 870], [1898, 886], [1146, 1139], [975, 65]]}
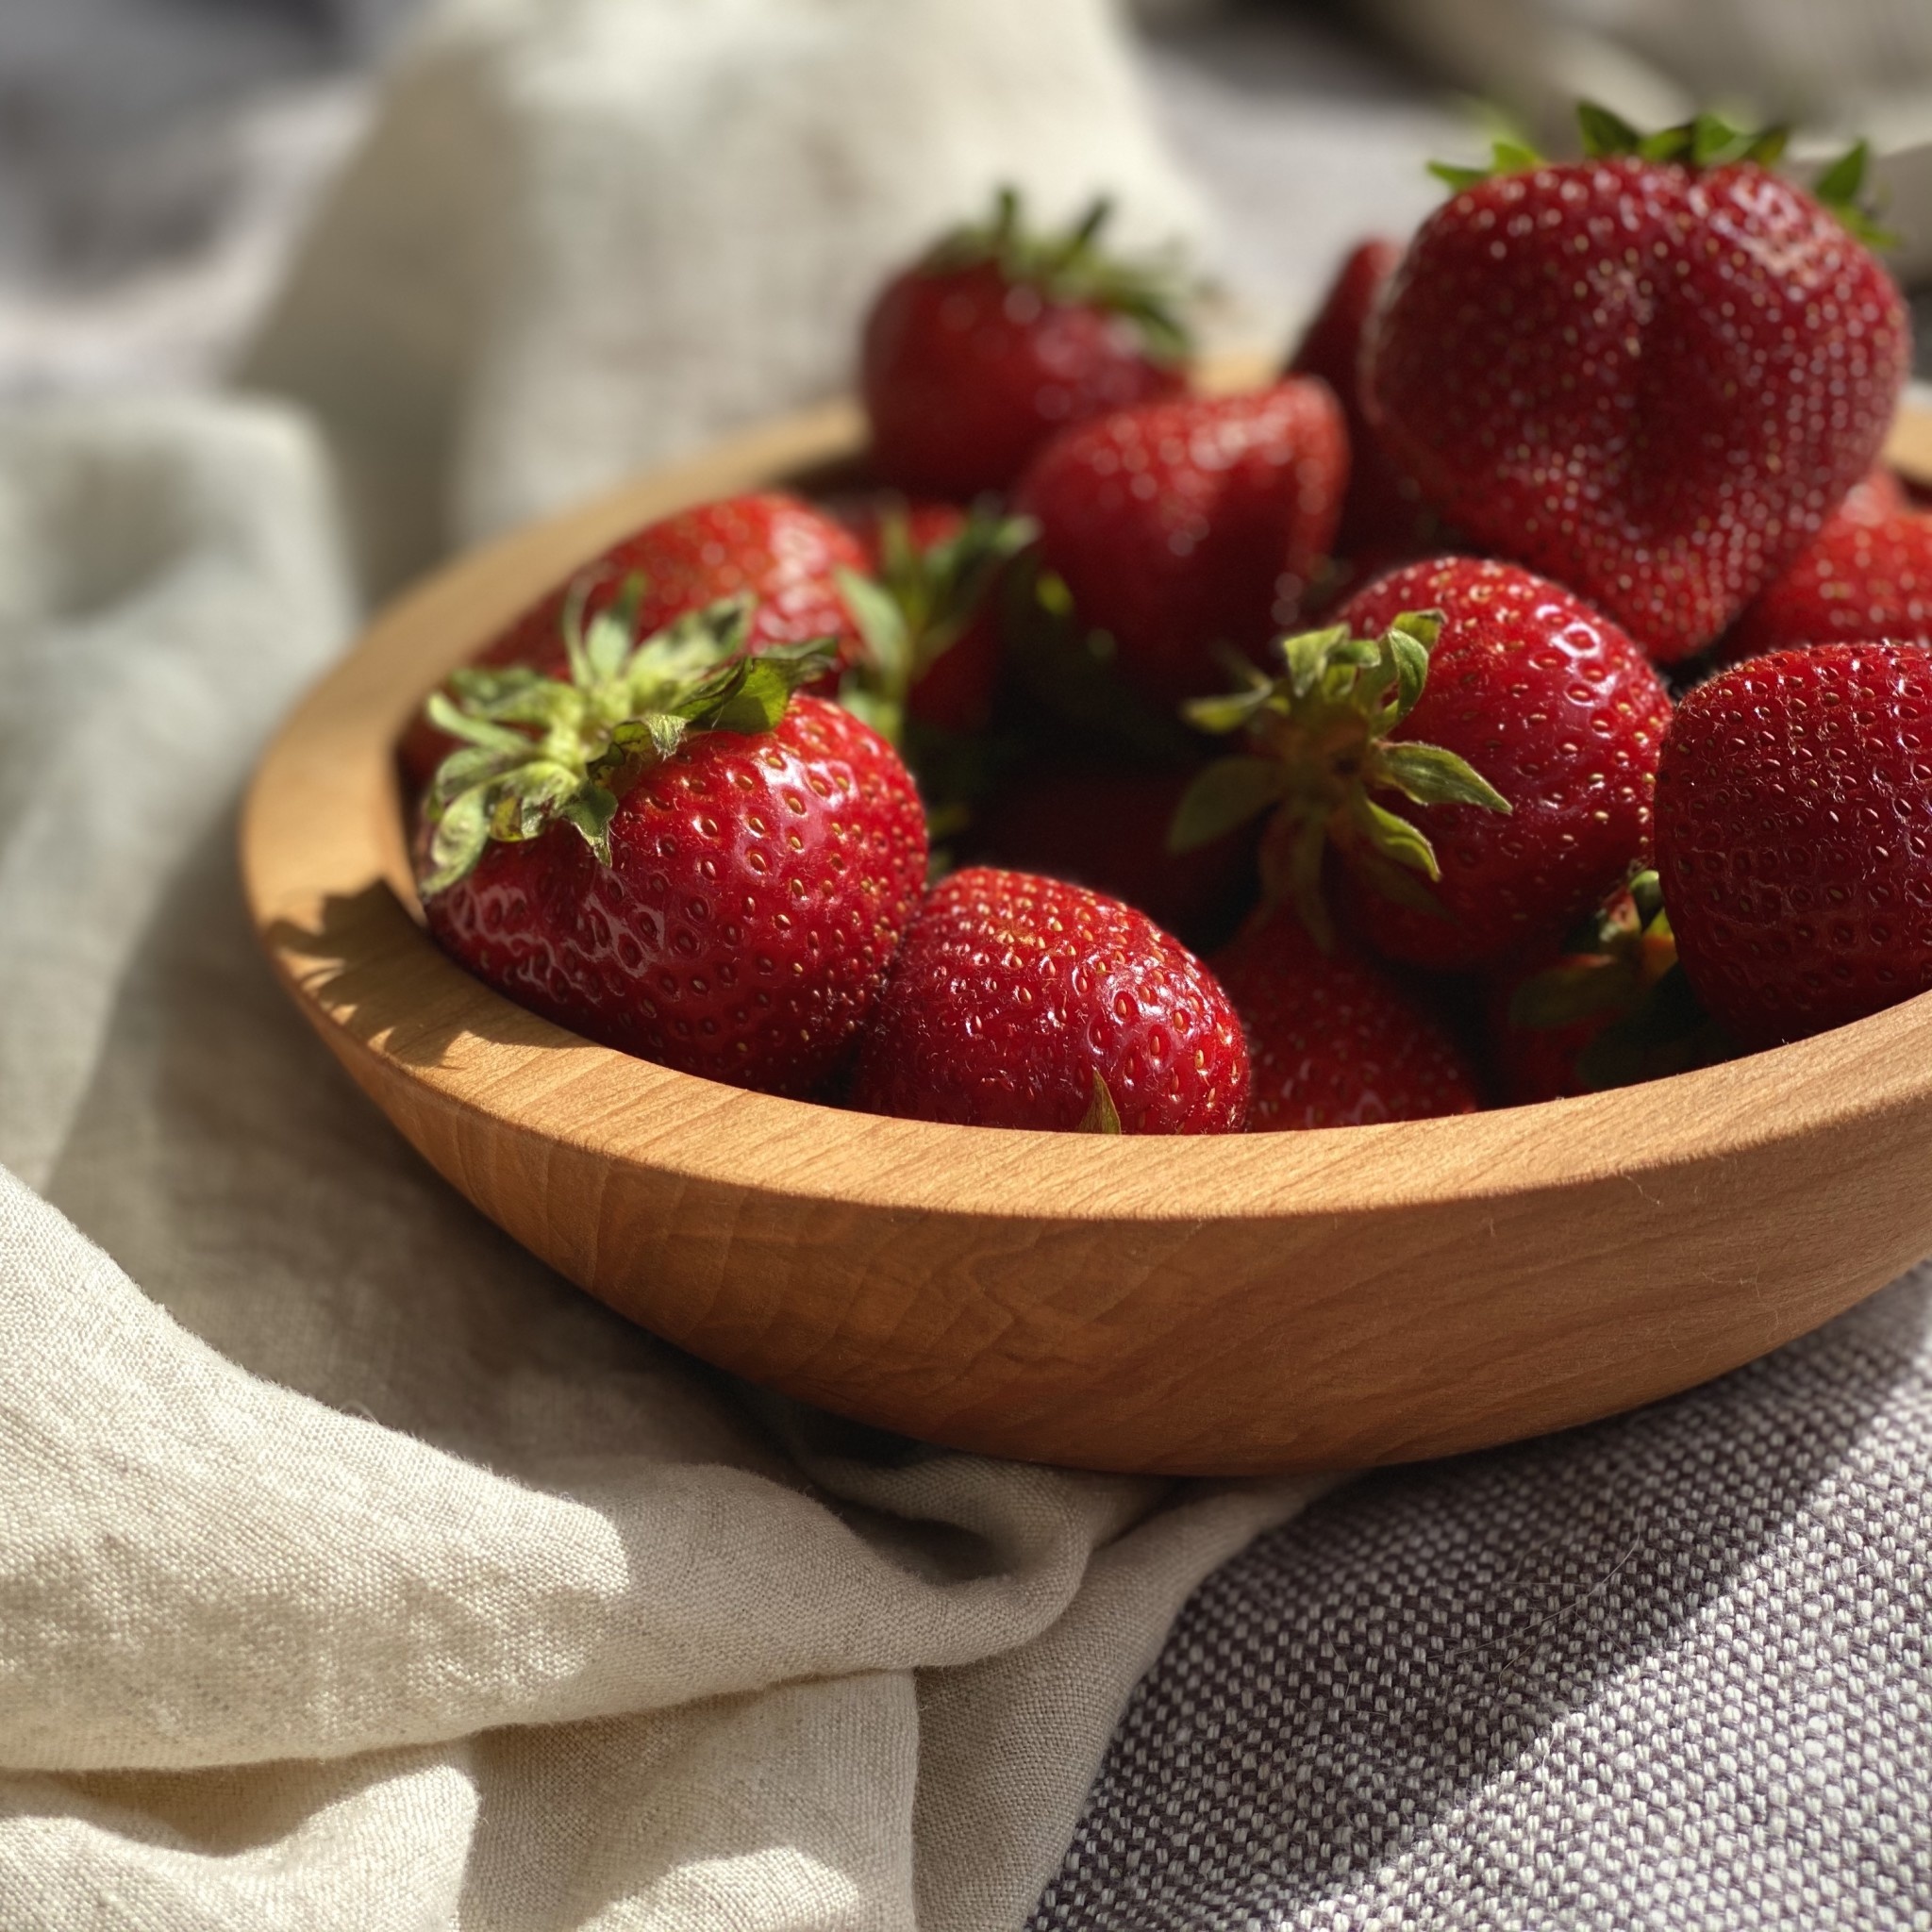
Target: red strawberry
{"points": [[1384, 518], [1869, 575], [1181, 526], [1333, 1042], [1524, 722], [1021, 1001], [933, 641], [1652, 379], [663, 854], [1794, 837], [1105, 825], [781, 554], [1000, 338]]}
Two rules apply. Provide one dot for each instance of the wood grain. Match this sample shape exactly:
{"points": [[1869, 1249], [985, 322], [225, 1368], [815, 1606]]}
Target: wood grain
{"points": [[1286, 1301]]}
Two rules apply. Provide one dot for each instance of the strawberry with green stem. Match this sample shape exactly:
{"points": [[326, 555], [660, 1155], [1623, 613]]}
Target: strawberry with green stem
{"points": [[927, 612], [1651, 374], [671, 849], [1467, 754], [1000, 337], [780, 554]]}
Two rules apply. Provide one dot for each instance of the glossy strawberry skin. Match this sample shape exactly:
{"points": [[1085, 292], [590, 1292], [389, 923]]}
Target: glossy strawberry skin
{"points": [[965, 375], [1868, 575], [1794, 838], [1561, 712], [1333, 1041], [1652, 384], [757, 889], [1384, 518], [1010, 992], [782, 552], [1180, 526], [1105, 827]]}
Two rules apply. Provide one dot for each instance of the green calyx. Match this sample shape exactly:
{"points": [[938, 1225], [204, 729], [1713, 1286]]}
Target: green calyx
{"points": [[537, 751], [1706, 141], [1072, 266], [918, 605], [1622, 949], [1320, 732], [1839, 188], [1506, 156], [1102, 1115], [1621, 968]]}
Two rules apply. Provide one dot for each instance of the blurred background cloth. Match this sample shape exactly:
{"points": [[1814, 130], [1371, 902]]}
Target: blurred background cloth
{"points": [[157, 155], [523, 247]]}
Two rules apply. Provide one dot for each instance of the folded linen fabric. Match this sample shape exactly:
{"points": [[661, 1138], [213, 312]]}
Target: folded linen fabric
{"points": [[583, 237], [355, 1571]]}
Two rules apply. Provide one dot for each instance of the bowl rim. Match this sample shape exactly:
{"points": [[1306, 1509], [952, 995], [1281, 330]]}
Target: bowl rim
{"points": [[322, 823]]}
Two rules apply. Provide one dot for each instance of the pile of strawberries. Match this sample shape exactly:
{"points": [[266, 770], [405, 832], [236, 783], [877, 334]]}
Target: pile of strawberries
{"points": [[1527, 692]]}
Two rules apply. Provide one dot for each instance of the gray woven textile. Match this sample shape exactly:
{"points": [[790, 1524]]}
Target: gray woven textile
{"points": [[1674, 1670]]}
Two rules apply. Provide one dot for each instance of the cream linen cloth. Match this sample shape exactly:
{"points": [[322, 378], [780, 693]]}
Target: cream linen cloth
{"points": [[355, 1571], [586, 235]]}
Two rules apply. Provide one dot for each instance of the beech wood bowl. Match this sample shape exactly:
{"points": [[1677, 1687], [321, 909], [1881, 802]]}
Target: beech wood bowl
{"points": [[1228, 1306]]}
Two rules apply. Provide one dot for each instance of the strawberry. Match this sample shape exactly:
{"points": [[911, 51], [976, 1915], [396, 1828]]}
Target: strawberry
{"points": [[1333, 1041], [1868, 575], [667, 851], [1876, 496], [1794, 837], [781, 554], [1104, 825], [1651, 373], [1022, 1002], [1384, 518], [1524, 722], [928, 612], [999, 337], [1180, 527]]}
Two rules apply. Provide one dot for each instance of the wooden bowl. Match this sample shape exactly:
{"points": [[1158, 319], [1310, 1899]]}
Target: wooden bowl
{"points": [[1274, 1302]]}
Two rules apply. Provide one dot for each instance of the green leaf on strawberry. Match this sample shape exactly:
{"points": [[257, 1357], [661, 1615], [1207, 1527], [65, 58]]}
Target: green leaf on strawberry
{"points": [[536, 750], [1102, 1115], [1070, 265], [1321, 736], [1706, 141], [1839, 187], [1226, 793], [918, 604]]}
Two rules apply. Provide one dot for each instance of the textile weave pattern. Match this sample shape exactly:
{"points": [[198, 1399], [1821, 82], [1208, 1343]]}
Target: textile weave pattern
{"points": [[1674, 1670]]}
